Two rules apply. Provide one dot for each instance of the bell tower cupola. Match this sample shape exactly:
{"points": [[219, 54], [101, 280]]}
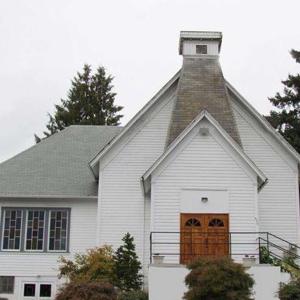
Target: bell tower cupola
{"points": [[200, 43]]}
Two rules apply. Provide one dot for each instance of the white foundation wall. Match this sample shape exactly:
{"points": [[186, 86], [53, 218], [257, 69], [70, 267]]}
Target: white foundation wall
{"points": [[203, 166], [278, 201], [122, 204], [167, 282], [31, 267]]}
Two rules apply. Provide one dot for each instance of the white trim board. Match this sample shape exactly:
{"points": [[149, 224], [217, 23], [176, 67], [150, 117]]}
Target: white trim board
{"points": [[223, 133], [94, 162], [264, 123]]}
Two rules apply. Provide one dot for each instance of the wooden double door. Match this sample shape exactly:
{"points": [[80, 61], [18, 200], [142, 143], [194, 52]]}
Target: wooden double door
{"points": [[203, 235]]}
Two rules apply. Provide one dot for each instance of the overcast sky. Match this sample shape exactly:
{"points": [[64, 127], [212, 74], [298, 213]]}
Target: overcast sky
{"points": [[44, 43]]}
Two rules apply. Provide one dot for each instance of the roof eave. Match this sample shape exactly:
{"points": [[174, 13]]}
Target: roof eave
{"points": [[227, 137], [104, 150], [265, 123]]}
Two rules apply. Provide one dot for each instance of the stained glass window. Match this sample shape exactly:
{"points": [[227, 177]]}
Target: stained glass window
{"points": [[12, 229], [35, 229], [58, 230]]}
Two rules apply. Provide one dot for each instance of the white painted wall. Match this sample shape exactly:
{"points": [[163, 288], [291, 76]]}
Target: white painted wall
{"points": [[189, 47], [203, 163], [191, 201], [167, 282], [122, 205], [278, 202], [42, 266]]}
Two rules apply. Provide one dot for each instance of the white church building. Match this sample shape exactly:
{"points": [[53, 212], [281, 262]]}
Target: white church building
{"points": [[196, 172]]}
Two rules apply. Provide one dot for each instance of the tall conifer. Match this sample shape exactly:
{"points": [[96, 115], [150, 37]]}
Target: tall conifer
{"points": [[90, 101], [286, 119], [127, 266]]}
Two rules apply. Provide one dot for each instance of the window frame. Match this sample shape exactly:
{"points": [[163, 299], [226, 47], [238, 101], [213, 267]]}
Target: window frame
{"points": [[35, 290], [25, 210], [24, 238], [51, 290], [2, 225], [13, 286], [67, 232]]}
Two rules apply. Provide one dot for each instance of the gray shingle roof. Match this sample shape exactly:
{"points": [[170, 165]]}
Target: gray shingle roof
{"points": [[201, 87], [57, 166]]}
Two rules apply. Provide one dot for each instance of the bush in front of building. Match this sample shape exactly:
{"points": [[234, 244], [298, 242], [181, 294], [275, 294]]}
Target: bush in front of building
{"points": [[218, 279], [96, 265], [121, 269], [290, 291], [133, 295], [127, 267], [87, 291]]}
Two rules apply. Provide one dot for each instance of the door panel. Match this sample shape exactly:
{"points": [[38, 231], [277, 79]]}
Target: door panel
{"points": [[217, 235], [203, 235], [191, 237]]}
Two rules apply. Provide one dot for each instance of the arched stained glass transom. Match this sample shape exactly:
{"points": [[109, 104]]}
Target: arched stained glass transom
{"points": [[216, 223], [193, 222]]}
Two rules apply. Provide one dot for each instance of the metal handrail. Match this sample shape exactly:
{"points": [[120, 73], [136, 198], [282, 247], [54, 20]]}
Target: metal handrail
{"points": [[283, 240], [281, 248], [260, 241]]}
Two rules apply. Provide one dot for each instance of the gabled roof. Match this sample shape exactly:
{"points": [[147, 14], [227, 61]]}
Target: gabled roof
{"points": [[94, 161], [57, 166], [201, 87], [262, 120], [234, 145]]}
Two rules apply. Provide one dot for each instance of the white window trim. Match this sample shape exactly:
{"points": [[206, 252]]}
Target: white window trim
{"points": [[25, 233], [67, 232], [3, 226]]}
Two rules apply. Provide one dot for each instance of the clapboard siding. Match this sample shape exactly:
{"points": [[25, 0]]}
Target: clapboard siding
{"points": [[202, 164], [277, 201], [121, 199], [82, 237]]}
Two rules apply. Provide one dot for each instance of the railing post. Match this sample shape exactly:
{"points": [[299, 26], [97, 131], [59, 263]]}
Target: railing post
{"points": [[230, 250], [259, 249], [268, 244], [150, 247]]}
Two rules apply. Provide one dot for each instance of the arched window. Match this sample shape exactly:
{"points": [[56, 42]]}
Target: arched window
{"points": [[216, 223], [193, 222]]}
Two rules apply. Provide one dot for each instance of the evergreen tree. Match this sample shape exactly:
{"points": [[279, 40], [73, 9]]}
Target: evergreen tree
{"points": [[127, 266], [287, 118], [90, 101]]}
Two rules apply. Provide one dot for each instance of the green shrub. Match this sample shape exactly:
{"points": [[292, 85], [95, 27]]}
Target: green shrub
{"points": [[218, 279], [87, 291], [96, 265], [133, 295], [127, 266], [290, 291]]}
